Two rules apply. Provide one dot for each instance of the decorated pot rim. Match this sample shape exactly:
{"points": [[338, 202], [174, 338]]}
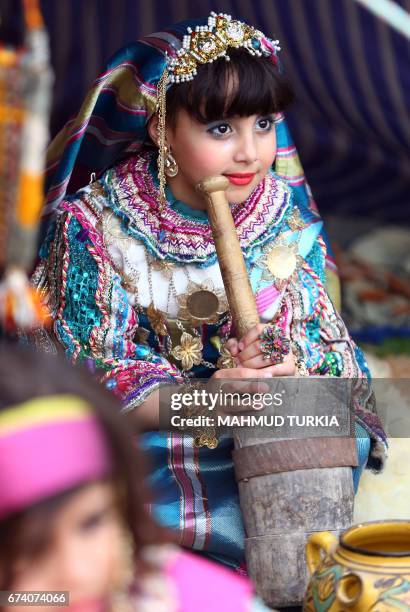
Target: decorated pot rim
{"points": [[375, 524]]}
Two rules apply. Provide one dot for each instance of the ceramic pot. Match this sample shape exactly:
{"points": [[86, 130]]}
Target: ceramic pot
{"points": [[367, 568]]}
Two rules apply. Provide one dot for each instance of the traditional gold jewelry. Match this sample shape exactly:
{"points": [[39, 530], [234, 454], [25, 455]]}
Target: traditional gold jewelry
{"points": [[206, 438], [279, 263], [165, 266], [111, 228], [161, 108], [171, 166], [207, 43], [201, 303], [114, 236], [225, 361], [157, 320], [202, 435], [189, 351], [295, 221]]}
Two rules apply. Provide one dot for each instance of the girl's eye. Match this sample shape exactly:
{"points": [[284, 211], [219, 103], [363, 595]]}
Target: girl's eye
{"points": [[265, 124], [220, 130], [94, 520]]}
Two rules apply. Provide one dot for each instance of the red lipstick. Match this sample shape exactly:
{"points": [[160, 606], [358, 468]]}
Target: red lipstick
{"points": [[240, 178]]}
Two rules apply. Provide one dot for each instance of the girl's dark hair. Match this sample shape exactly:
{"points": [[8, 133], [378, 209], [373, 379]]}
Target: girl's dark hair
{"points": [[25, 375], [246, 85]]}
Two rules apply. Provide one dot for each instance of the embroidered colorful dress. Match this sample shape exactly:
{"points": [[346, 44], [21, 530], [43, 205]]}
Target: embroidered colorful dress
{"points": [[118, 295], [121, 274]]}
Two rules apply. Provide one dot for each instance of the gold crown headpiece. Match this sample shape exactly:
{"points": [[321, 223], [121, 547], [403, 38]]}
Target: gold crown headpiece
{"points": [[207, 43]]}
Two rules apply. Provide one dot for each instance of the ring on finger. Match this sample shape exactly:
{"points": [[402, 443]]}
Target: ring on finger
{"points": [[274, 345]]}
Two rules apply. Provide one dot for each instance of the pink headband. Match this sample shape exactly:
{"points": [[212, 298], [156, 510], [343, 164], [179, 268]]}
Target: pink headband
{"points": [[48, 445]]}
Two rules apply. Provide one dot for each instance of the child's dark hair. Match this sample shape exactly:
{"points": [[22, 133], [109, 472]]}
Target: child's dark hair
{"points": [[246, 85], [25, 375]]}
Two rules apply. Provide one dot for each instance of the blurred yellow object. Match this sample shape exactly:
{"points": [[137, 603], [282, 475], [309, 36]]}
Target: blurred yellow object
{"points": [[10, 114], [30, 199], [8, 57], [374, 499]]}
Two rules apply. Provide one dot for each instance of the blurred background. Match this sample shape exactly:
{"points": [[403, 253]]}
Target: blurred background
{"points": [[350, 72]]}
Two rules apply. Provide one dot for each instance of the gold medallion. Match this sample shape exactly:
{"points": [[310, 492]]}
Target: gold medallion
{"points": [[202, 304], [281, 261]]}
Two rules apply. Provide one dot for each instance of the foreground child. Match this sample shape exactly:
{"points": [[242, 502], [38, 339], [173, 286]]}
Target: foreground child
{"points": [[72, 514]]}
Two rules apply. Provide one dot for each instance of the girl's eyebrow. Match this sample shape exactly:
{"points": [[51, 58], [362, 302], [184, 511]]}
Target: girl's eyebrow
{"points": [[222, 120], [235, 118]]}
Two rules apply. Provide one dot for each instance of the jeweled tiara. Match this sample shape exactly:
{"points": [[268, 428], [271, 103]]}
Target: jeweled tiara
{"points": [[207, 43]]}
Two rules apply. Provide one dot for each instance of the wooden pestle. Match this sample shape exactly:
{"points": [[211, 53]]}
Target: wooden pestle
{"points": [[232, 264]]}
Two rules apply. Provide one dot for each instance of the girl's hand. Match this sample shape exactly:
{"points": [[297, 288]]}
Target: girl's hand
{"points": [[248, 354], [240, 384]]}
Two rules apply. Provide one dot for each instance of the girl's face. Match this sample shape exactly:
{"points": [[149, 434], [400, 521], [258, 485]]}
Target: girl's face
{"points": [[84, 555], [241, 148]]}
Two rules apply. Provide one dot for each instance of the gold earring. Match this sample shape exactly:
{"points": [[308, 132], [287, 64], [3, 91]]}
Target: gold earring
{"points": [[171, 166]]}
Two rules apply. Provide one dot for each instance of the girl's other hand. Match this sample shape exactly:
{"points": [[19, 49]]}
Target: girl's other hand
{"points": [[249, 356], [236, 381]]}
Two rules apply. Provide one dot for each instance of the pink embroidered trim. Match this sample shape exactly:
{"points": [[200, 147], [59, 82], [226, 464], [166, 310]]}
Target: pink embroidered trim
{"points": [[134, 196]]}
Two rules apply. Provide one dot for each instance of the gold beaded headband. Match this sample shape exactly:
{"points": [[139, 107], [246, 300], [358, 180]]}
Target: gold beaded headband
{"points": [[207, 43]]}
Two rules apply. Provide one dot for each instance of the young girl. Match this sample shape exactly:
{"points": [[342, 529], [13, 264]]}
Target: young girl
{"points": [[130, 267], [72, 514]]}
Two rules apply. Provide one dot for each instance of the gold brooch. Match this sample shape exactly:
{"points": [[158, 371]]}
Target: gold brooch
{"points": [[189, 351]]}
